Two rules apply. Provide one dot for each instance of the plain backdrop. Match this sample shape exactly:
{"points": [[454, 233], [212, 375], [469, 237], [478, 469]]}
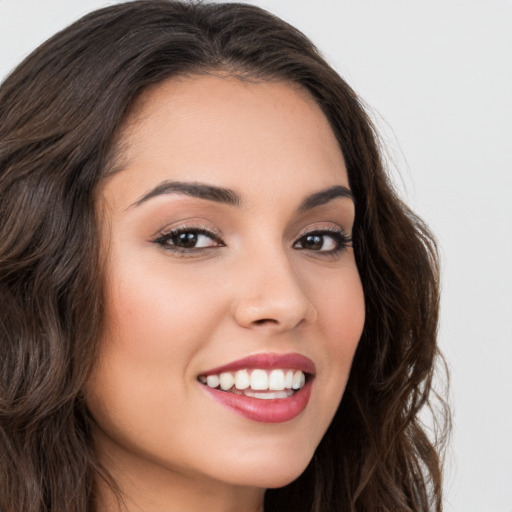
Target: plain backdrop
{"points": [[437, 75]]}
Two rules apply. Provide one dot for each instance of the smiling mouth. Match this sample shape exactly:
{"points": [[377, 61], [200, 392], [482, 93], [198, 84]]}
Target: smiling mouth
{"points": [[258, 383]]}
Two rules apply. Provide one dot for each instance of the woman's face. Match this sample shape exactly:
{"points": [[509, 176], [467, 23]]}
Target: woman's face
{"points": [[229, 259]]}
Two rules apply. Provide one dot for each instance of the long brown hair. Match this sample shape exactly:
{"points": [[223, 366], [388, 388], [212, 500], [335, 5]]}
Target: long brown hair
{"points": [[60, 112]]}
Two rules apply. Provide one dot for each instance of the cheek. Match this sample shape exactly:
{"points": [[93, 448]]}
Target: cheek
{"points": [[158, 314], [155, 322], [341, 310], [143, 374]]}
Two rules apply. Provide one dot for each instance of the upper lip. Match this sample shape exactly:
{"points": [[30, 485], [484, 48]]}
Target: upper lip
{"points": [[267, 361]]}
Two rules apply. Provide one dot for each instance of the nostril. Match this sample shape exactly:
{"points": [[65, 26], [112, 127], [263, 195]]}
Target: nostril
{"points": [[264, 321]]}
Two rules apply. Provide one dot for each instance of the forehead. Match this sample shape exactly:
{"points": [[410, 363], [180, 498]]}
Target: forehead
{"points": [[205, 128]]}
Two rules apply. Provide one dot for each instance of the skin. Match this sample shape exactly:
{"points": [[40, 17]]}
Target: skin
{"points": [[254, 289]]}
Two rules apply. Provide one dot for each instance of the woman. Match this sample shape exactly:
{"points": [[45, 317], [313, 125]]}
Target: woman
{"points": [[211, 296]]}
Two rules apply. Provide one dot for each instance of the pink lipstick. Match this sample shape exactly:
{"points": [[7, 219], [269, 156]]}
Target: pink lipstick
{"points": [[270, 388]]}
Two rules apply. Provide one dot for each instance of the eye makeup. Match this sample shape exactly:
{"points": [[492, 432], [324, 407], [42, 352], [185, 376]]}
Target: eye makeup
{"points": [[194, 239], [189, 240], [324, 240]]}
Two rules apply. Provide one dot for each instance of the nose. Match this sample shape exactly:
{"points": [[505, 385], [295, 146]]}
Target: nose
{"points": [[270, 295]]}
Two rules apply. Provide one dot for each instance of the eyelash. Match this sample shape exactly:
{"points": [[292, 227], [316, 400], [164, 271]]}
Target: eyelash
{"points": [[164, 239], [341, 239]]}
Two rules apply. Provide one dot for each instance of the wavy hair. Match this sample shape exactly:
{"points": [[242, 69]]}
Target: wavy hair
{"points": [[61, 111]]}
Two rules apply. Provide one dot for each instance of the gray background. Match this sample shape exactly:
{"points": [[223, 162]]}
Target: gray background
{"points": [[438, 76]]}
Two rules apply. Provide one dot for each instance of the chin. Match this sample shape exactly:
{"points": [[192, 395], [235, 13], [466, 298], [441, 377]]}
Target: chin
{"points": [[284, 479], [271, 473]]}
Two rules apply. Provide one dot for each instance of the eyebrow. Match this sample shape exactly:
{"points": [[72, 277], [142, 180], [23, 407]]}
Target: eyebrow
{"points": [[230, 197], [324, 196], [200, 190]]}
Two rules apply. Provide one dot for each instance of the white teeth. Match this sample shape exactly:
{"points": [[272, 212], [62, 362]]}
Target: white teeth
{"points": [[269, 396], [298, 380], [226, 381], [242, 379], [280, 382], [276, 380], [288, 380], [259, 380], [212, 381]]}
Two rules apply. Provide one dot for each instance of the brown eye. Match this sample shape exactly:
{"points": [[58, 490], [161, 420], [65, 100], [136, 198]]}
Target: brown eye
{"points": [[312, 242], [323, 241], [188, 239]]}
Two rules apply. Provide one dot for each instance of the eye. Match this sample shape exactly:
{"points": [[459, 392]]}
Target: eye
{"points": [[187, 239], [327, 241]]}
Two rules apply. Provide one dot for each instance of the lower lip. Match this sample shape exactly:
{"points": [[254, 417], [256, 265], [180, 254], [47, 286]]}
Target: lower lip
{"points": [[277, 410]]}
